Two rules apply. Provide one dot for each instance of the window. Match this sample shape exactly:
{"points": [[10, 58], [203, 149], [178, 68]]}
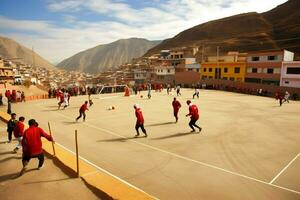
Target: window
{"points": [[204, 77], [224, 78], [293, 70], [236, 70], [204, 69], [225, 70], [272, 57], [197, 70], [270, 71], [254, 70], [190, 69], [168, 71], [210, 69], [210, 77], [255, 58], [231, 78], [286, 82]]}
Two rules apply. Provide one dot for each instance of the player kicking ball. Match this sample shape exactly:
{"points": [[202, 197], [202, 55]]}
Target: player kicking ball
{"points": [[193, 112]]}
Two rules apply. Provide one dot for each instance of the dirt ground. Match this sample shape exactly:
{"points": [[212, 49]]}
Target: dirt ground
{"points": [[248, 148], [48, 183]]}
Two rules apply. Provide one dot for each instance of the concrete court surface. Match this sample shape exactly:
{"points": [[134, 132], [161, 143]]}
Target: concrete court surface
{"points": [[48, 183], [248, 148]]}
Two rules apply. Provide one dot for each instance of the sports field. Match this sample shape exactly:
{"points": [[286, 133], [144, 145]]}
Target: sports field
{"points": [[248, 148]]}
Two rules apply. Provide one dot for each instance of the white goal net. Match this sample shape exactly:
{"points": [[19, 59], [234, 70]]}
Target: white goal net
{"points": [[107, 89]]}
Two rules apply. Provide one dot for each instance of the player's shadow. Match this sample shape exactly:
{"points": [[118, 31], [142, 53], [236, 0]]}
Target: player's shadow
{"points": [[6, 152], [161, 124], [7, 177], [172, 136], [121, 139], [9, 158], [70, 123]]}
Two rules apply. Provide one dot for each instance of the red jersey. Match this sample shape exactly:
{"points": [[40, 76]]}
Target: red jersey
{"points": [[176, 105], [193, 111], [31, 142], [139, 116], [7, 93], [19, 129], [83, 108]]}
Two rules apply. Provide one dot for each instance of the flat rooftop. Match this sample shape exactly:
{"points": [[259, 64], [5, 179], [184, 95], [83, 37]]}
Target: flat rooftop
{"points": [[248, 148]]}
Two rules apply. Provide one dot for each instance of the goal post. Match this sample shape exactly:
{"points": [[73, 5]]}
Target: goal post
{"points": [[109, 89]]}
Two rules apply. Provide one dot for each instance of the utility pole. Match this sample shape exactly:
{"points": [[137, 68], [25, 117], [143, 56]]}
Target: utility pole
{"points": [[217, 71], [202, 56]]}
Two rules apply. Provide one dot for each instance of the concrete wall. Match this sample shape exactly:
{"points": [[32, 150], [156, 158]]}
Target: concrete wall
{"points": [[187, 77]]}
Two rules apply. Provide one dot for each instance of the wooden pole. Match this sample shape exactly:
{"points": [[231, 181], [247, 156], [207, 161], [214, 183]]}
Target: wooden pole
{"points": [[53, 148], [77, 155]]}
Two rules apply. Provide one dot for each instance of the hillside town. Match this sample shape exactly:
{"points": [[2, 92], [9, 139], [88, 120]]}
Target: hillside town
{"points": [[269, 71]]}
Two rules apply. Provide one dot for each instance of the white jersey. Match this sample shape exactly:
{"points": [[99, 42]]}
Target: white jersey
{"points": [[66, 96]]}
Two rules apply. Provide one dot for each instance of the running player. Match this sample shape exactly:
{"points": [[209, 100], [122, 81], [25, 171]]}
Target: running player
{"points": [[193, 112], [176, 106], [82, 110], [139, 121], [61, 99], [196, 93]]}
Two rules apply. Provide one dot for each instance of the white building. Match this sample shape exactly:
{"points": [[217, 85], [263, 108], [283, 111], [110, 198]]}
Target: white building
{"points": [[290, 74]]}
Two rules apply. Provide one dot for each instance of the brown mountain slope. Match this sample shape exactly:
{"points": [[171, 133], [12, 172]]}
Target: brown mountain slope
{"points": [[11, 49], [104, 57], [272, 30]]}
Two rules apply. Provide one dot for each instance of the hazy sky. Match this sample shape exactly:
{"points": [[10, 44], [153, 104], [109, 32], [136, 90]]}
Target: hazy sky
{"points": [[58, 29]]}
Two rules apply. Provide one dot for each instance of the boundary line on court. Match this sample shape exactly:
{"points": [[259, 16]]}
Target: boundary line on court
{"points": [[186, 158], [105, 171], [287, 166]]}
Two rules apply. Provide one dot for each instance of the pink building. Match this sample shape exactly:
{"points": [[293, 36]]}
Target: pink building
{"points": [[290, 74]]}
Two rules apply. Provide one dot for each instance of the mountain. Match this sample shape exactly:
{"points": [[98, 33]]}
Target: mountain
{"points": [[10, 49], [103, 57], [273, 30]]}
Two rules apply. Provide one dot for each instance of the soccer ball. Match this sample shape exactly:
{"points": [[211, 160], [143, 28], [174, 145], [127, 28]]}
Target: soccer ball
{"points": [[141, 96], [112, 107]]}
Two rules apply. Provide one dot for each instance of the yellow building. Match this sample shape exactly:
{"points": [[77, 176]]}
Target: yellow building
{"points": [[230, 67]]}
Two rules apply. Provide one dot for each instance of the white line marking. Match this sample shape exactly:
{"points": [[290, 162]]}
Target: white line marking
{"points": [[185, 158], [107, 172], [274, 179]]}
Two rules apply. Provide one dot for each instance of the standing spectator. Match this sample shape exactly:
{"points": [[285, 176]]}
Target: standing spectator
{"points": [[149, 91], [7, 94], [176, 106], [11, 125], [139, 121], [178, 90], [18, 132], [22, 96], [1, 99], [32, 144], [49, 93], [9, 105], [82, 110], [193, 112]]}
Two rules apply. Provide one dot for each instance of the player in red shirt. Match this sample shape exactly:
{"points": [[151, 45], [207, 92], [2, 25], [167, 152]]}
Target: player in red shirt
{"points": [[82, 110], [193, 112], [139, 121], [61, 99], [176, 106], [18, 132], [32, 144]]}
